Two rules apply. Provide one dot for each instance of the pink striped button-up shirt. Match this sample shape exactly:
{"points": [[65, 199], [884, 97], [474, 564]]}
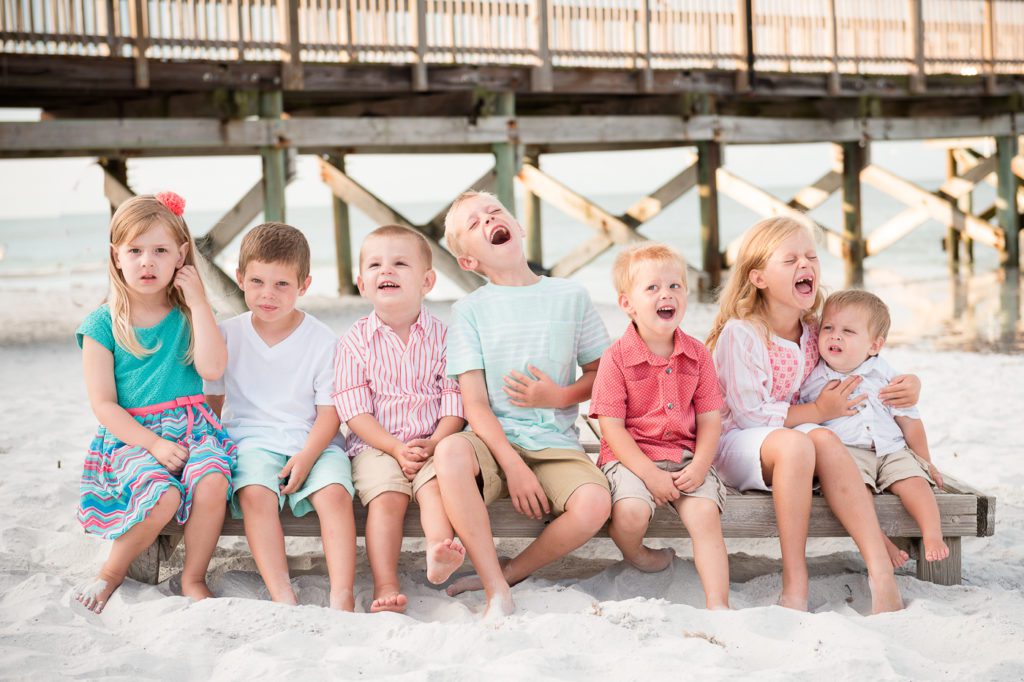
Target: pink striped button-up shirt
{"points": [[404, 386]]}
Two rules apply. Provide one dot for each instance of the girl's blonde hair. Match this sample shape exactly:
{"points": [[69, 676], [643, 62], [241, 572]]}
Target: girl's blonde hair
{"points": [[133, 218], [739, 298]]}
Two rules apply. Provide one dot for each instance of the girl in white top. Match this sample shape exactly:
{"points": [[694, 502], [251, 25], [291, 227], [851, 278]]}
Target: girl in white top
{"points": [[764, 345]]}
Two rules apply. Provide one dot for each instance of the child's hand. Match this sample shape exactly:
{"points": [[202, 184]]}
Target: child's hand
{"points": [[835, 400], [936, 476], [424, 444], [528, 497], [171, 455], [191, 284], [410, 459], [538, 390], [662, 486], [295, 472], [903, 391], [692, 477]]}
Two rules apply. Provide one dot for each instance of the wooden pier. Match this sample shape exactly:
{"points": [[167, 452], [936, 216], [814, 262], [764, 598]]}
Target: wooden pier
{"points": [[520, 79]]}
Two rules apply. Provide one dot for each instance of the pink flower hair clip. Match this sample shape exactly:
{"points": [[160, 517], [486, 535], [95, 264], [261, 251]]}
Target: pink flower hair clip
{"points": [[174, 203]]}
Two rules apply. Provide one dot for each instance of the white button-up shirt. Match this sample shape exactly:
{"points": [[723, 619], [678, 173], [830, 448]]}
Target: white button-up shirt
{"points": [[874, 426]]}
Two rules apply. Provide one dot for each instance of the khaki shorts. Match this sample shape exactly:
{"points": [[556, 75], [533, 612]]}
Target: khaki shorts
{"points": [[375, 472], [560, 471], [625, 484], [881, 472]]}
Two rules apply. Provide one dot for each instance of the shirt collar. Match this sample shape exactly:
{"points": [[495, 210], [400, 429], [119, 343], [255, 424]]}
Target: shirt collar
{"points": [[863, 369], [635, 350], [424, 322]]}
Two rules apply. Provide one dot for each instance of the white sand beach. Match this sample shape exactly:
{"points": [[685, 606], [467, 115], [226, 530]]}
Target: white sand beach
{"points": [[587, 617]]}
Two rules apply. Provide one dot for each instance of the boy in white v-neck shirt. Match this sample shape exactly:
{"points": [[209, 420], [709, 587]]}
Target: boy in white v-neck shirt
{"points": [[275, 401]]}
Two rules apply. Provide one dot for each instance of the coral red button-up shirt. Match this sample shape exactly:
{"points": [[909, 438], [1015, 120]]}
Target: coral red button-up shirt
{"points": [[658, 398]]}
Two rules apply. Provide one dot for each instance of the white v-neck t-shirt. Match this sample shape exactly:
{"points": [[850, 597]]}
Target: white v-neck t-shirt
{"points": [[272, 392]]}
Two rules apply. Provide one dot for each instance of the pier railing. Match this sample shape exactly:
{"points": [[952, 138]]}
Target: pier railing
{"points": [[898, 37]]}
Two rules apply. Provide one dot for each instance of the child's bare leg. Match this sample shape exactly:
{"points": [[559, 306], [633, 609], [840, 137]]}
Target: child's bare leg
{"points": [[457, 469], [125, 549], [205, 521], [787, 463], [630, 519], [704, 523], [586, 510], [262, 519], [917, 496], [384, 521], [444, 553], [850, 501], [333, 505]]}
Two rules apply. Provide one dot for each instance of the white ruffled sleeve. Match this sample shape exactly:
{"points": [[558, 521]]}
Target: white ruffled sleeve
{"points": [[745, 375]]}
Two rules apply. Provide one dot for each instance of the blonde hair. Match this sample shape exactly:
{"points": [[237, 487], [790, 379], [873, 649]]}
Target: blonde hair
{"points": [[739, 298], [276, 243], [133, 218], [876, 309], [401, 232], [451, 230], [628, 263]]}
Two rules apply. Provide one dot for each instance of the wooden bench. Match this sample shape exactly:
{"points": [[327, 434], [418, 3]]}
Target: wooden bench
{"points": [[964, 512]]}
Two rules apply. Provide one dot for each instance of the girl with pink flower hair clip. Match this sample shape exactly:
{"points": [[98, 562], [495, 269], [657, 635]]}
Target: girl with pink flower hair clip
{"points": [[159, 453]]}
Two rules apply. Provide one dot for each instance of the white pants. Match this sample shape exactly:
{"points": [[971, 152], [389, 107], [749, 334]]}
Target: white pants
{"points": [[739, 456]]}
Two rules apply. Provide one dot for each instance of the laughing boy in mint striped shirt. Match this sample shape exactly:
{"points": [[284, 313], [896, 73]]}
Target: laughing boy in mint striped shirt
{"points": [[514, 345]]}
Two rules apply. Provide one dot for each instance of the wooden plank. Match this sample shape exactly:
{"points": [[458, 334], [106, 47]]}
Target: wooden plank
{"points": [[348, 190], [945, 572], [854, 158], [577, 206], [1006, 201], [939, 208], [233, 222], [342, 237], [986, 504], [532, 219], [654, 203], [767, 205], [749, 515], [709, 161], [895, 229]]}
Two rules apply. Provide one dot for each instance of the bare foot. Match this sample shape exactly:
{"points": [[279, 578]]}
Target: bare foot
{"points": [[793, 601], [651, 560], [885, 594], [935, 549], [499, 606], [443, 559], [195, 589], [392, 601], [471, 583], [897, 556], [94, 594], [343, 599]]}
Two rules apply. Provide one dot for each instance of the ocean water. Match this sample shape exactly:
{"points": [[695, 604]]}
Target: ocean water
{"points": [[977, 309]]}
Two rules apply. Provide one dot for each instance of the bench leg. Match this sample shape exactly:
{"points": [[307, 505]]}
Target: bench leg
{"points": [[146, 567], [945, 572]]}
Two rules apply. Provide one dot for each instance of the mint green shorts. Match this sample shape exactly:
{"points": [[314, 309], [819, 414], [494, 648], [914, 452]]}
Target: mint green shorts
{"points": [[257, 466]]}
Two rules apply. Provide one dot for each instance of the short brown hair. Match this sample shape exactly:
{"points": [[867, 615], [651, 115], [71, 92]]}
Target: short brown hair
{"points": [[450, 228], [276, 243], [876, 309], [402, 231], [629, 261]]}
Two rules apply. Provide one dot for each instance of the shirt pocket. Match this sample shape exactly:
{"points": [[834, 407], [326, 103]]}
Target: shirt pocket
{"points": [[686, 386], [562, 343]]}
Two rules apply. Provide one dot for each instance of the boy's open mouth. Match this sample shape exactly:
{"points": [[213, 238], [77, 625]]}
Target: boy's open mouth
{"points": [[805, 285], [500, 235], [835, 349], [388, 285], [666, 312]]}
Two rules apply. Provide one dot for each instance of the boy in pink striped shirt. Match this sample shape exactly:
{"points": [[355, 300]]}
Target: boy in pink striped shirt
{"points": [[392, 390]]}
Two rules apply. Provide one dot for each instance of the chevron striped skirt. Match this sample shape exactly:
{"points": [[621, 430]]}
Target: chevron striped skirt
{"points": [[122, 483]]}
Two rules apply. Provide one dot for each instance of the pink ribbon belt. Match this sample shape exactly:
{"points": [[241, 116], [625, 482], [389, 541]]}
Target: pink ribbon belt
{"points": [[188, 402]]}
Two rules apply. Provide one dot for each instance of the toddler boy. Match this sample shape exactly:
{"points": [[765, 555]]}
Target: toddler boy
{"points": [[393, 392], [888, 444], [276, 401], [657, 399], [514, 345]]}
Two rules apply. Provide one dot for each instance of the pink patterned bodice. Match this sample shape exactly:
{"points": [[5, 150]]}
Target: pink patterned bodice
{"points": [[789, 369]]}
